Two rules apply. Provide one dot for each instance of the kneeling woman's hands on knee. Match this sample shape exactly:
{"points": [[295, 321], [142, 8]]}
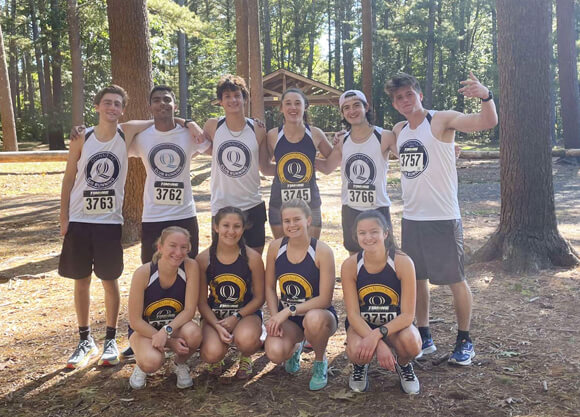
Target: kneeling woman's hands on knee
{"points": [[178, 345], [159, 340], [385, 357], [223, 333]]}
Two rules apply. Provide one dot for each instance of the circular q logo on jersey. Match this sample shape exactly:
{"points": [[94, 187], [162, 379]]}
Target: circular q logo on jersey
{"points": [[234, 158], [102, 170], [413, 158], [360, 169], [295, 167], [167, 160]]}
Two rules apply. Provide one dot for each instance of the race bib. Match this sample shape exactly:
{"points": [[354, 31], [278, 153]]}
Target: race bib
{"points": [[379, 318], [168, 193], [99, 202], [291, 191], [222, 313], [411, 161], [362, 195]]}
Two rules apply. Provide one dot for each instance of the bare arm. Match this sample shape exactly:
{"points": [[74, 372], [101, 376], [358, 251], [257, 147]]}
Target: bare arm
{"points": [[388, 143], [329, 164], [348, 277], [267, 153], [270, 288], [485, 119], [257, 269], [206, 312], [191, 295], [136, 301], [133, 128], [321, 142], [74, 154]]}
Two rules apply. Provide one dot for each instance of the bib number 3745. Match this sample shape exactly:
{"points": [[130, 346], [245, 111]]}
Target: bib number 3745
{"points": [[292, 191]]}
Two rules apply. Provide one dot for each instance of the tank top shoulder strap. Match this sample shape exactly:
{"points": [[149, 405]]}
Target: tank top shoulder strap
{"points": [[283, 247], [153, 273], [89, 133], [312, 249], [121, 133], [346, 136], [250, 122], [391, 259], [360, 261], [181, 272], [377, 133], [307, 131], [221, 121]]}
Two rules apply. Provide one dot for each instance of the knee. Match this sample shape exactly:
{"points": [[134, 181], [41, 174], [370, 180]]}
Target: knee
{"points": [[213, 352], [150, 361], [275, 350], [192, 335], [409, 343], [316, 322], [111, 287], [247, 340], [351, 350]]}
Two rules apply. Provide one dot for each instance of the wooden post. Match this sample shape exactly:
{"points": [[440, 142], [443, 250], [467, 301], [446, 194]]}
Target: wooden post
{"points": [[6, 109], [256, 84], [242, 40]]}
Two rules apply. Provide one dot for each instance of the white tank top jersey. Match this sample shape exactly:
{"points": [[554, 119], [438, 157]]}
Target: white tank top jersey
{"points": [[167, 160], [235, 180], [99, 187], [364, 173], [428, 174]]}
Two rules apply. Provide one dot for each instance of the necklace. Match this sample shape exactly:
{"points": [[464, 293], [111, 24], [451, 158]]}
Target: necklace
{"points": [[366, 135], [232, 133]]}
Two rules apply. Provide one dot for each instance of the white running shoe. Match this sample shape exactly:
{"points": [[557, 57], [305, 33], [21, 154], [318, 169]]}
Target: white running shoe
{"points": [[409, 381], [183, 377], [138, 378]]}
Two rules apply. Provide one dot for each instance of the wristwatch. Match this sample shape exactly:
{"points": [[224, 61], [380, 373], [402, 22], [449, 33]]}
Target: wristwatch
{"points": [[238, 315], [489, 96], [384, 332], [168, 329], [292, 309], [186, 121]]}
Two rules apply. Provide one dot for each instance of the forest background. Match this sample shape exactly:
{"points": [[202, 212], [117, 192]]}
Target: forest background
{"points": [[438, 41]]}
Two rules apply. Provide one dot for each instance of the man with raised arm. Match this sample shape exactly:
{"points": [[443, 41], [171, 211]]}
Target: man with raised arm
{"points": [[432, 233]]}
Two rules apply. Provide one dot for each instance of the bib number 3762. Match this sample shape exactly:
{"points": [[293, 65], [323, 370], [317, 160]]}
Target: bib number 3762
{"points": [[168, 193]]}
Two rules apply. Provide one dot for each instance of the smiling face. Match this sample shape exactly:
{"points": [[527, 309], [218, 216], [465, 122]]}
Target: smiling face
{"points": [[162, 105], [294, 222], [354, 111], [232, 101], [110, 108], [370, 235], [174, 248], [230, 229], [406, 100], [293, 107]]}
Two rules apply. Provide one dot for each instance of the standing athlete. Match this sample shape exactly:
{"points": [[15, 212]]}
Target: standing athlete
{"points": [[363, 155], [432, 234], [239, 148], [91, 218], [166, 150]]}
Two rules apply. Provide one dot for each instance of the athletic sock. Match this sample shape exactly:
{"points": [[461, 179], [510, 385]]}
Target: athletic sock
{"points": [[463, 335], [84, 332], [425, 333], [111, 332]]}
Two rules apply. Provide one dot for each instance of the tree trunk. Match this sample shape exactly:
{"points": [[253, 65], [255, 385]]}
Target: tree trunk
{"points": [[568, 73], [428, 91], [131, 68], [367, 50], [30, 82], [38, 57], [6, 110], [280, 36], [338, 18], [55, 129], [182, 68], [329, 15], [527, 238], [347, 48], [311, 39], [242, 40], [267, 38], [256, 85], [78, 96]]}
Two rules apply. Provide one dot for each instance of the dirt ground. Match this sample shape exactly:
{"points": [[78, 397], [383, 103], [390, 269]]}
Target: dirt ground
{"points": [[524, 327]]}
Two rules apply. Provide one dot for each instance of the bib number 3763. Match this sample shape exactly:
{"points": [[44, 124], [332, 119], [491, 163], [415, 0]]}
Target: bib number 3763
{"points": [[99, 202], [168, 193]]}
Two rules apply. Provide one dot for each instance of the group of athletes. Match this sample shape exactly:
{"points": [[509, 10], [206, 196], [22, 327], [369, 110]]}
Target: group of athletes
{"points": [[385, 289]]}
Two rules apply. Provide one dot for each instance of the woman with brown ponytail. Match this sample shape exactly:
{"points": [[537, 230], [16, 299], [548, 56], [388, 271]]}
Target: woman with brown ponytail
{"points": [[231, 295]]}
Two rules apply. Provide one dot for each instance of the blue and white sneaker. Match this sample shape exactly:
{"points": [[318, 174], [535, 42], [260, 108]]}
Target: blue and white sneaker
{"points": [[292, 365], [462, 354], [427, 348], [319, 375]]}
